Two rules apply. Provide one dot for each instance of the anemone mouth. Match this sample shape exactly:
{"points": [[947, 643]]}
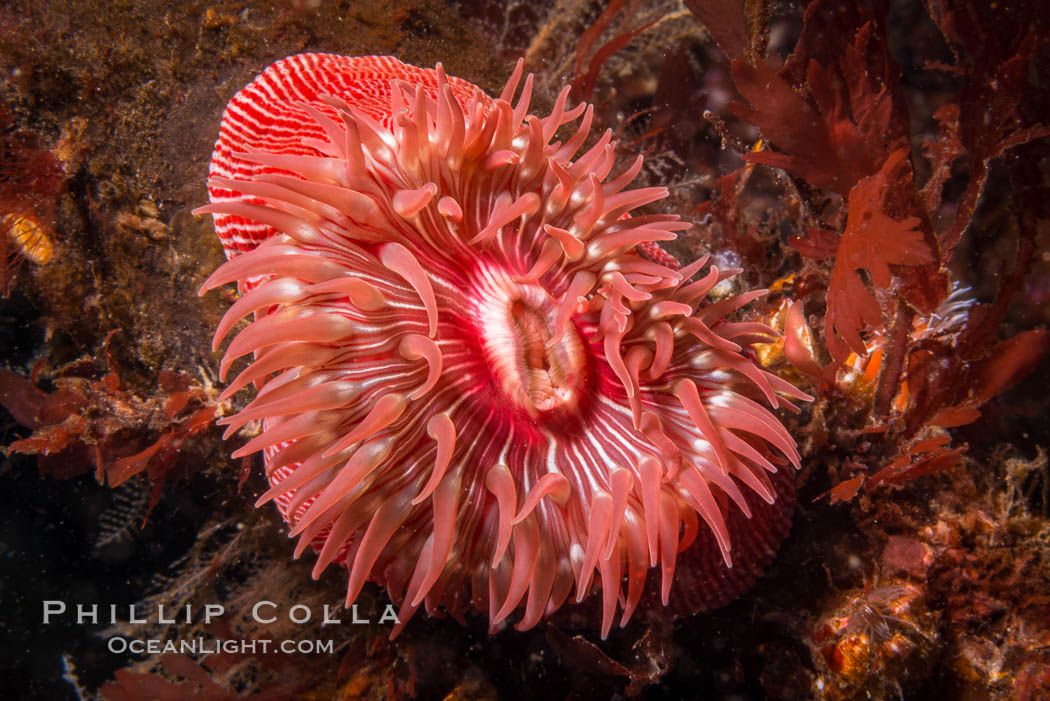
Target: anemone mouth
{"points": [[436, 286], [537, 361]]}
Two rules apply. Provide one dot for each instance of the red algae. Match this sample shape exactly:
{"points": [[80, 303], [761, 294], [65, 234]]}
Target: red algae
{"points": [[94, 426]]}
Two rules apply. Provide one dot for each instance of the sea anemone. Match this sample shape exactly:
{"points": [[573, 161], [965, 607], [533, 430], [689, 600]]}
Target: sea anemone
{"points": [[472, 387]]}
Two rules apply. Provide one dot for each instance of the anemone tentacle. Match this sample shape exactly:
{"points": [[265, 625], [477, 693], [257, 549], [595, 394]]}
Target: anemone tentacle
{"points": [[474, 389]]}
